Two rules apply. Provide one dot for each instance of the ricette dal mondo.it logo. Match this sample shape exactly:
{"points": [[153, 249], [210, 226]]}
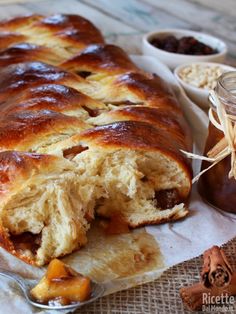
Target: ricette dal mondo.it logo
{"points": [[217, 303]]}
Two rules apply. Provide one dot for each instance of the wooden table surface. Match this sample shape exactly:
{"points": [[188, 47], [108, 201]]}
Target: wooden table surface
{"points": [[125, 21]]}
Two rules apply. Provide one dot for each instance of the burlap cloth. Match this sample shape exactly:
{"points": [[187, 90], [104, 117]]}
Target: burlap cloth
{"points": [[160, 296]]}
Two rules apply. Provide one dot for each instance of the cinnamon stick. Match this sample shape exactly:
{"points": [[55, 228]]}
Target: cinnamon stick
{"points": [[218, 282], [216, 271], [194, 297]]}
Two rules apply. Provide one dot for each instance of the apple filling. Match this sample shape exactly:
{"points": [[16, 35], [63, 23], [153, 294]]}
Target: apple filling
{"points": [[61, 284]]}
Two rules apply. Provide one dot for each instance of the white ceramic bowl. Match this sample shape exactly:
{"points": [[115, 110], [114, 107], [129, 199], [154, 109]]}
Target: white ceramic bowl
{"points": [[172, 60], [199, 95]]}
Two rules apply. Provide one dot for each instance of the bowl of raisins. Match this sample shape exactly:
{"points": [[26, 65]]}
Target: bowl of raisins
{"points": [[176, 46]]}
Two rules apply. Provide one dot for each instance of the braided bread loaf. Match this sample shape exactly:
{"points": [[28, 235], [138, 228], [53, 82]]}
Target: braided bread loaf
{"points": [[82, 130]]}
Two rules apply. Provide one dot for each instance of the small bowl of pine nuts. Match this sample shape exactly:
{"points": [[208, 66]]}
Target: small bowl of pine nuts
{"points": [[198, 78]]}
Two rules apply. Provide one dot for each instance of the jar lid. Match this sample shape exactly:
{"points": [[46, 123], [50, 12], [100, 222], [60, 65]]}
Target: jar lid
{"points": [[226, 91]]}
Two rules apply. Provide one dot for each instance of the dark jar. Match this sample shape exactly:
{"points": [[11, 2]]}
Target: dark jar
{"points": [[214, 185]]}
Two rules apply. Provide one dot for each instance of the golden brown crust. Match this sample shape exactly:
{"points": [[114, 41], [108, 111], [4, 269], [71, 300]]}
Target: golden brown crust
{"points": [[68, 30], [24, 52], [17, 22], [101, 58], [9, 38], [135, 135], [15, 164], [75, 28], [17, 77], [149, 88], [175, 125], [130, 134], [21, 130], [56, 97]]}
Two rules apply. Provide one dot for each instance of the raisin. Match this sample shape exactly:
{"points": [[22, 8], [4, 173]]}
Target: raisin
{"points": [[186, 45], [167, 198]]}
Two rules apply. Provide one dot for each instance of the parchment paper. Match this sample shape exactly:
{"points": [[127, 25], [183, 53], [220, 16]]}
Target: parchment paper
{"points": [[177, 241]]}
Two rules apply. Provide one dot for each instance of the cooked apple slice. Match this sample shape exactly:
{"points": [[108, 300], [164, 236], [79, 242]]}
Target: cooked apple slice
{"points": [[61, 283], [57, 270]]}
